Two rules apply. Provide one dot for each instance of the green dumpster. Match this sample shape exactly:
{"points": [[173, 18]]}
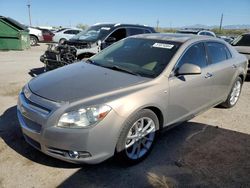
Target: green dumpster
{"points": [[13, 35]]}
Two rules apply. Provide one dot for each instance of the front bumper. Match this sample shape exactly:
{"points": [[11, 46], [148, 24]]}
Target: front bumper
{"points": [[94, 144]]}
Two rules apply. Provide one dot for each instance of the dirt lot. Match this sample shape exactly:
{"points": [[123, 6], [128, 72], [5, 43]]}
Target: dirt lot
{"points": [[212, 150]]}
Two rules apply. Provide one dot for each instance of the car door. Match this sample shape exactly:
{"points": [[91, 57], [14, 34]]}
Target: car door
{"points": [[69, 34], [223, 70], [189, 94]]}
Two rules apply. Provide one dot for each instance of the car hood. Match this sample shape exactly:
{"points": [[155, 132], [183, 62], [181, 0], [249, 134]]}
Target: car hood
{"points": [[243, 49], [79, 81]]}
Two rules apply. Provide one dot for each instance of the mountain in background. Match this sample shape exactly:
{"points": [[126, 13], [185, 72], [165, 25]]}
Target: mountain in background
{"points": [[242, 26]]}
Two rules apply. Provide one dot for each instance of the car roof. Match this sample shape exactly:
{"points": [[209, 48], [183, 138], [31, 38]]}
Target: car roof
{"points": [[72, 29], [175, 37], [120, 24]]}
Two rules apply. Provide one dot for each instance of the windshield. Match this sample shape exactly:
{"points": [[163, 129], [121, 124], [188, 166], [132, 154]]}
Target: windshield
{"points": [[93, 33], [144, 57]]}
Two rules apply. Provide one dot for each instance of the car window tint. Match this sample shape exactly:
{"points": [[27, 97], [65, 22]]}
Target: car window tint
{"points": [[217, 52], [194, 55], [75, 32], [119, 34], [147, 31], [202, 33], [243, 40], [68, 32], [135, 31], [209, 34]]}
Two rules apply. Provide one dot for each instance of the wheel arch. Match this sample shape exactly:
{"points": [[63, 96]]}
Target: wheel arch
{"points": [[34, 36], [158, 113]]}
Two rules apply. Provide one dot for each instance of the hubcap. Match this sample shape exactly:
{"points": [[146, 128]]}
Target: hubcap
{"points": [[32, 41], [140, 138], [235, 93]]}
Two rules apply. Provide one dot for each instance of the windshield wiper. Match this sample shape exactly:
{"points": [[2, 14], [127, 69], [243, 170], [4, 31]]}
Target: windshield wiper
{"points": [[113, 67], [118, 68], [93, 62]]}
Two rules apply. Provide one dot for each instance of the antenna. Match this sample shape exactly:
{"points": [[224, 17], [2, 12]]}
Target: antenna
{"points": [[28, 5]]}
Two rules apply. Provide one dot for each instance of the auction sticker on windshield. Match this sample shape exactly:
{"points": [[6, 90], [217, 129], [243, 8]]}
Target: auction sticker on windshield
{"points": [[162, 45]]}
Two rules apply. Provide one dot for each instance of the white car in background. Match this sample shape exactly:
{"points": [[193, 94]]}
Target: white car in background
{"points": [[65, 34], [36, 36], [197, 31]]}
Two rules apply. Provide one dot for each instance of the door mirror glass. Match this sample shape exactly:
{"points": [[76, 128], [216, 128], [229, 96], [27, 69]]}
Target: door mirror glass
{"points": [[188, 69]]}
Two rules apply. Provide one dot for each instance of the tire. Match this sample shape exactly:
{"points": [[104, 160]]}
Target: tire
{"points": [[234, 94], [136, 139], [33, 40], [62, 40]]}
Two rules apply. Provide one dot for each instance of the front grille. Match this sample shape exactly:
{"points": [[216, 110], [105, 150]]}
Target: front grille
{"points": [[36, 106], [32, 125], [82, 46], [32, 142]]}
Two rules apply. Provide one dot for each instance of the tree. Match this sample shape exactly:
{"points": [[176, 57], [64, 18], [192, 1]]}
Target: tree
{"points": [[82, 26]]}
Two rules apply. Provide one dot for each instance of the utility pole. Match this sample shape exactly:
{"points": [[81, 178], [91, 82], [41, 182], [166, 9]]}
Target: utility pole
{"points": [[221, 20], [157, 24], [28, 5]]}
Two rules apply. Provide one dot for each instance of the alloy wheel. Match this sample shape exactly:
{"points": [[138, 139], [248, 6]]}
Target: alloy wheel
{"points": [[234, 96], [140, 138]]}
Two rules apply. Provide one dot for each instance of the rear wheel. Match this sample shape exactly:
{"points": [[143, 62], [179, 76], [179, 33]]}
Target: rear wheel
{"points": [[137, 137], [33, 40], [234, 94]]}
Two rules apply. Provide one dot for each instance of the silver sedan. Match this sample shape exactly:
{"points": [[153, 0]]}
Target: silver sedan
{"points": [[118, 101]]}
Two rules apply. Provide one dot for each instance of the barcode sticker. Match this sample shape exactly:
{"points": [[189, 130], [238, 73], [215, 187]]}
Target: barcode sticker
{"points": [[162, 45]]}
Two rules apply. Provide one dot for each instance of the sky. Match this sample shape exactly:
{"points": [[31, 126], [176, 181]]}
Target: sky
{"points": [[170, 13]]}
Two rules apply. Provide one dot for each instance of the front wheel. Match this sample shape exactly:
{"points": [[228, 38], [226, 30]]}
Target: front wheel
{"points": [[234, 94], [137, 137]]}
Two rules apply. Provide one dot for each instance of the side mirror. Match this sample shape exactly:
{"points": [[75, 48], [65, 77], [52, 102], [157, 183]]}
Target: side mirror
{"points": [[188, 69], [110, 39]]}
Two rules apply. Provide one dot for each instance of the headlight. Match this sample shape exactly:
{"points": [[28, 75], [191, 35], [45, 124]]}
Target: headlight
{"points": [[84, 116]]}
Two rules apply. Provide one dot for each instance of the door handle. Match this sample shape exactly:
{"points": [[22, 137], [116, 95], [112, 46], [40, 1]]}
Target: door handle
{"points": [[234, 66], [208, 75]]}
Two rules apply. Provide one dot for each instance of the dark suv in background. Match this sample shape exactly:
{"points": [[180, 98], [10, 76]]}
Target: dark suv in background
{"points": [[242, 45], [89, 42]]}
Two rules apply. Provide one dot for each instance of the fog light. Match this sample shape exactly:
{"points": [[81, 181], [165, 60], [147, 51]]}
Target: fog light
{"points": [[74, 154]]}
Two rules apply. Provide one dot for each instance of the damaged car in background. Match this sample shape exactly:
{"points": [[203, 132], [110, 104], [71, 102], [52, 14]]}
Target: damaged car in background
{"points": [[89, 42]]}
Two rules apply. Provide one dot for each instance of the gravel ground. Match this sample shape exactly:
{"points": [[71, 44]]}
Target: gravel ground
{"points": [[211, 150]]}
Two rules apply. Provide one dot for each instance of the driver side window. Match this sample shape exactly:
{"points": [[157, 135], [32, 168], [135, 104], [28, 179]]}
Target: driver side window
{"points": [[119, 34], [194, 55]]}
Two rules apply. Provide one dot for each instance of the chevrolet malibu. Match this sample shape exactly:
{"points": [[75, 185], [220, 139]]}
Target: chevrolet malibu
{"points": [[120, 99]]}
